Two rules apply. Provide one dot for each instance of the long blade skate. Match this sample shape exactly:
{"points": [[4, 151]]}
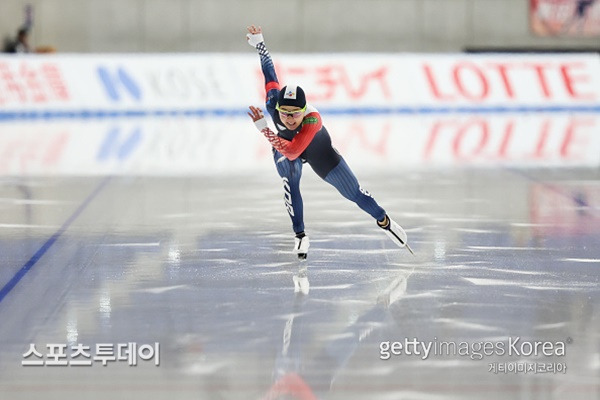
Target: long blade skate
{"points": [[396, 233], [409, 249], [301, 245]]}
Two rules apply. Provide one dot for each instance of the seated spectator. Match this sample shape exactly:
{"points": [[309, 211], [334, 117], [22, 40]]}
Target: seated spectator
{"points": [[20, 44]]}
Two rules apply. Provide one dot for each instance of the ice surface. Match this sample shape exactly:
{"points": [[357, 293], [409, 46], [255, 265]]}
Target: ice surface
{"points": [[203, 266]]}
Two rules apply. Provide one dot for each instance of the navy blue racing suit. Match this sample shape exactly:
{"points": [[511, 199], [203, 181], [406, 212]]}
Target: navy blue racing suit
{"points": [[309, 143]]}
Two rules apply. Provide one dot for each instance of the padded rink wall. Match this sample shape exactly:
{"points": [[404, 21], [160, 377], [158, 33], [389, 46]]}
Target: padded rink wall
{"points": [[185, 114]]}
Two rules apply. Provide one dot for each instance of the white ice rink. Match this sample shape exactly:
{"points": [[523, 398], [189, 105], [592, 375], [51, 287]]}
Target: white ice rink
{"points": [[196, 272]]}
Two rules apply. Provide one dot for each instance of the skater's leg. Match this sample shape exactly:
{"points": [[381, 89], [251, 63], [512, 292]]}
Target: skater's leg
{"points": [[342, 178], [291, 172], [346, 183]]}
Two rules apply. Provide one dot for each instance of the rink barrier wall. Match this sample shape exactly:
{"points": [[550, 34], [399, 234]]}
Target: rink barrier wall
{"points": [[180, 83], [185, 114]]}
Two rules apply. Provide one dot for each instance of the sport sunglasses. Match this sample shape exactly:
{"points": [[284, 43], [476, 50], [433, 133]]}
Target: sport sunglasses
{"points": [[294, 114]]}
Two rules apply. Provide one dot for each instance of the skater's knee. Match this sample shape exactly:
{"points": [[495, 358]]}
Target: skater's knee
{"points": [[352, 194], [356, 197], [290, 171]]}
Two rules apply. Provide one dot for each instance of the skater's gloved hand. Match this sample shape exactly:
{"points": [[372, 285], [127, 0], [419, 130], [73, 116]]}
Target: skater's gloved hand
{"points": [[258, 118], [261, 124], [254, 35]]}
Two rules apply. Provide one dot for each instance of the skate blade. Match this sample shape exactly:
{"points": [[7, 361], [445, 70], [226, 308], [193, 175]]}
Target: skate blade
{"points": [[409, 249]]}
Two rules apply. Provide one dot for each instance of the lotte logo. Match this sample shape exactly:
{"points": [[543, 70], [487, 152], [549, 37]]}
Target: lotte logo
{"points": [[510, 80]]}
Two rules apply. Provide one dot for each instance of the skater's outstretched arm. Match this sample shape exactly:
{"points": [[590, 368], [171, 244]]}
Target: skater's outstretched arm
{"points": [[290, 149], [261, 124], [256, 40], [312, 121]]}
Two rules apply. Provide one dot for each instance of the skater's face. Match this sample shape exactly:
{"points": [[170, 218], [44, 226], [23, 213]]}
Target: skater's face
{"points": [[291, 116]]}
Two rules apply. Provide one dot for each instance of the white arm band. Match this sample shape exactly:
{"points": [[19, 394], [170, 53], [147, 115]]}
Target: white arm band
{"points": [[261, 124], [254, 39]]}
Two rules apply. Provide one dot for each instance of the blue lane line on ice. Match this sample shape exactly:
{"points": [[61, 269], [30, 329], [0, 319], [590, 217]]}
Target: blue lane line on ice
{"points": [[48, 244], [229, 112]]}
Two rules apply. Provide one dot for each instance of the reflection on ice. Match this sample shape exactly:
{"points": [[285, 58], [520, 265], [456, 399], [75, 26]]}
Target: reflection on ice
{"points": [[190, 262], [295, 373], [229, 145]]}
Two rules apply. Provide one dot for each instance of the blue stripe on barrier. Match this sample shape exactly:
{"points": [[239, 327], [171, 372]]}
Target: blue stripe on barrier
{"points": [[228, 112]]}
